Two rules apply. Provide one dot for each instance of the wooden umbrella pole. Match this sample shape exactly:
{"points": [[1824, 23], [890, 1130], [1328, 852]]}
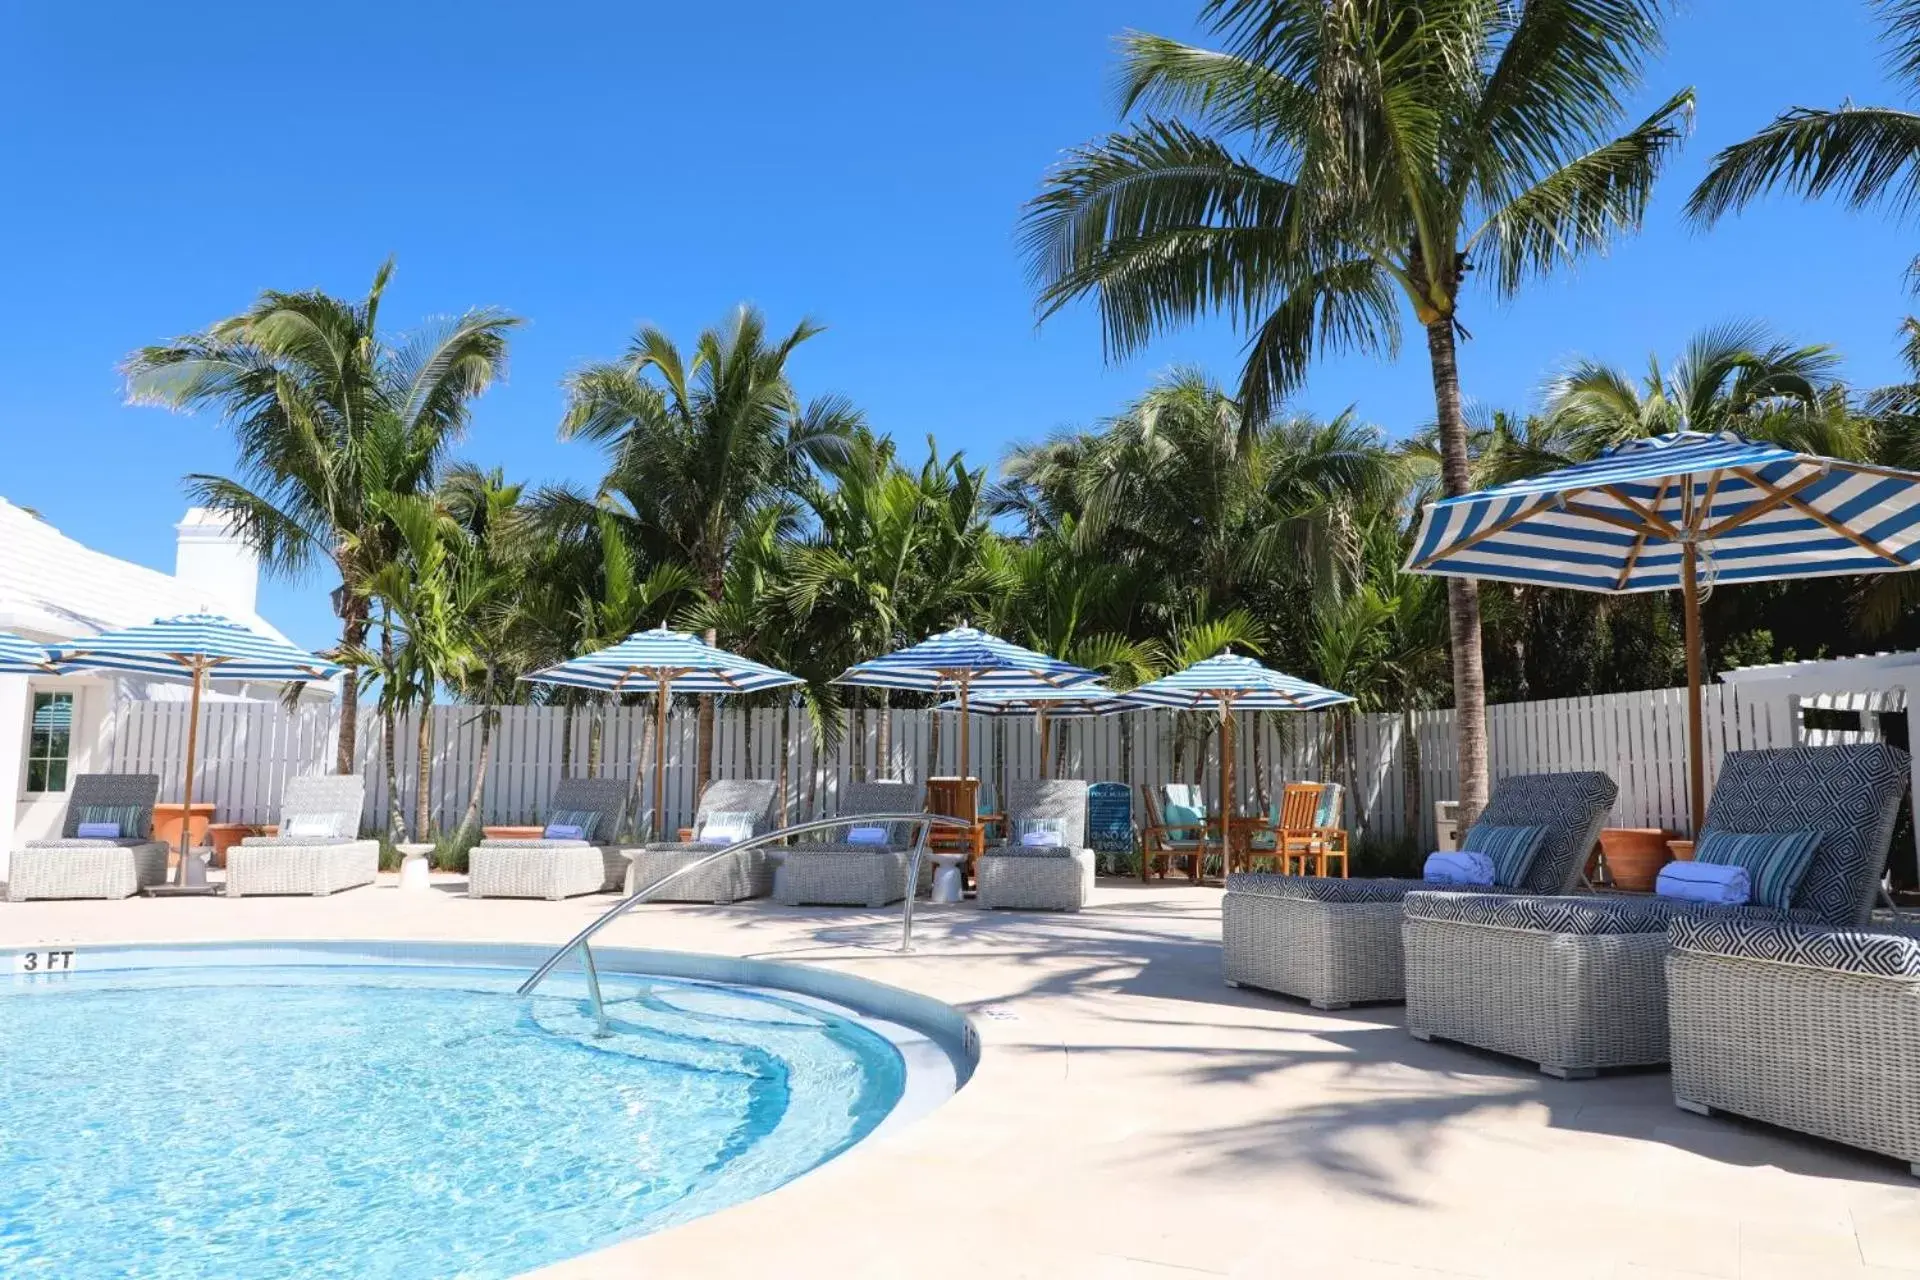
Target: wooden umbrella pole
{"points": [[193, 748], [1696, 764], [1226, 786], [1046, 746], [965, 741], [662, 690]]}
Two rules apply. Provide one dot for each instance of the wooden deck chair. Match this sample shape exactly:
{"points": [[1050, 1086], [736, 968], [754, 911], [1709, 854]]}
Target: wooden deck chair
{"points": [[1308, 834], [1161, 842]]}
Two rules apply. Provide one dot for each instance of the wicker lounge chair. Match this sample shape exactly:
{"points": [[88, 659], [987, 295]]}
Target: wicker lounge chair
{"points": [[1336, 941], [747, 874], [1047, 877], [1808, 1027], [308, 864], [556, 869], [1578, 983], [69, 867], [839, 873]]}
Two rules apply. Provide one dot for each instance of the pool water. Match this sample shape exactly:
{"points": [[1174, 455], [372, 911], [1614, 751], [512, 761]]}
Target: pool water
{"points": [[407, 1121]]}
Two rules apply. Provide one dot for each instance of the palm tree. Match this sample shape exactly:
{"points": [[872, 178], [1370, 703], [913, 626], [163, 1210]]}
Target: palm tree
{"points": [[1865, 155], [696, 445], [1338, 157], [328, 417]]}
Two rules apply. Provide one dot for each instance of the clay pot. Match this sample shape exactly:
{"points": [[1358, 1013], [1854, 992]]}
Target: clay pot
{"points": [[1634, 856], [1682, 850]]}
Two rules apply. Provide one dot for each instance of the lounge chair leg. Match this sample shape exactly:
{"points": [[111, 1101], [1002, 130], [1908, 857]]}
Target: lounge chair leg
{"points": [[1914, 1169], [1688, 1104], [1568, 1073], [1425, 1037], [1233, 984], [1331, 1004]]}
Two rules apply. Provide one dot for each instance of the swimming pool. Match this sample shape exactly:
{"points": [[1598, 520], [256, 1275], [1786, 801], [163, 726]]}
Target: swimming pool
{"points": [[236, 1112]]}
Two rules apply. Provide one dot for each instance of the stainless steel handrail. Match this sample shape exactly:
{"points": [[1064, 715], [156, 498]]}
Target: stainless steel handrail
{"points": [[923, 823]]}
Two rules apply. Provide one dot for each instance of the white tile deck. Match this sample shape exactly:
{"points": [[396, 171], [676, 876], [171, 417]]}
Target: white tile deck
{"points": [[1134, 1117]]}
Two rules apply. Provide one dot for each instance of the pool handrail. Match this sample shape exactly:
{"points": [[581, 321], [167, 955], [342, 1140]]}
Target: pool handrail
{"points": [[923, 827]]}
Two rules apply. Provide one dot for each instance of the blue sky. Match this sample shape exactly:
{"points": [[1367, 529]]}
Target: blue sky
{"points": [[590, 166]]}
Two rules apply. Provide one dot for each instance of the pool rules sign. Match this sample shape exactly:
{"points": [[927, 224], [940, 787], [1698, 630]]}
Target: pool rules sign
{"points": [[44, 960]]}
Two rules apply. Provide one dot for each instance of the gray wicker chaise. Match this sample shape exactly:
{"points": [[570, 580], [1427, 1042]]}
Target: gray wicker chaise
{"points": [[302, 863], [556, 869], [1336, 942], [70, 867], [840, 873], [747, 874], [1057, 877], [1809, 1027], [1578, 984]]}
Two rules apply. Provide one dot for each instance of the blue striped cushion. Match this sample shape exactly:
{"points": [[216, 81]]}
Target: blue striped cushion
{"points": [[1776, 861], [585, 819], [1511, 848], [131, 818]]}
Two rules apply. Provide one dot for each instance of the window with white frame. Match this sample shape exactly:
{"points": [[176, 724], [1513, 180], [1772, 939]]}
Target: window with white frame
{"points": [[52, 740]]}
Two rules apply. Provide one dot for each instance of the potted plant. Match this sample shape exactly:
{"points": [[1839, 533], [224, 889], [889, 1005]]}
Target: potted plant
{"points": [[1633, 856]]}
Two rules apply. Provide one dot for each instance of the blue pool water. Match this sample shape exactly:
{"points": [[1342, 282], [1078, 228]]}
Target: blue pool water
{"points": [[412, 1121]]}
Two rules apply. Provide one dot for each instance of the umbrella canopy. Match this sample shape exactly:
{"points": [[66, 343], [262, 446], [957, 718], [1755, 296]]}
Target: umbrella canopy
{"points": [[1045, 706], [1685, 510], [664, 662], [196, 647], [22, 657], [965, 660]]}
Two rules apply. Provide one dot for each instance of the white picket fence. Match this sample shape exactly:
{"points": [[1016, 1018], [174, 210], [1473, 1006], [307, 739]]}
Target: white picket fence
{"points": [[247, 750]]}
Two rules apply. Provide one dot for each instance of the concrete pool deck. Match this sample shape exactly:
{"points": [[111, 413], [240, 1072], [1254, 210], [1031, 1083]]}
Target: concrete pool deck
{"points": [[1132, 1116]]}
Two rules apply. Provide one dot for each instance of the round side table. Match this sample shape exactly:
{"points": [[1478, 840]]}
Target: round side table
{"points": [[413, 866], [947, 884]]}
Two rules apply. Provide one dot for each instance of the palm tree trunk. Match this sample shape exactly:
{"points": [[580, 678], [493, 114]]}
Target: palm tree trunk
{"points": [[703, 751], [390, 760], [883, 738], [353, 634], [596, 716], [1410, 776], [786, 747], [423, 771], [566, 738], [1463, 594], [746, 741], [470, 820]]}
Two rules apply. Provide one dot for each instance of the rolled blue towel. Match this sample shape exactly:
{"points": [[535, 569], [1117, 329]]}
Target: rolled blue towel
{"points": [[562, 831], [867, 835], [98, 831], [1465, 867], [1723, 884]]}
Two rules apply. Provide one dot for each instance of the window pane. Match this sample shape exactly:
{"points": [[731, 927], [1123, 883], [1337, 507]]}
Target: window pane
{"points": [[36, 775], [57, 775]]}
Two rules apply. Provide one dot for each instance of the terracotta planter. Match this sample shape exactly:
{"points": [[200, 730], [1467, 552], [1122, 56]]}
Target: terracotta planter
{"points": [[513, 833], [224, 835], [1634, 856], [1682, 850], [166, 825]]}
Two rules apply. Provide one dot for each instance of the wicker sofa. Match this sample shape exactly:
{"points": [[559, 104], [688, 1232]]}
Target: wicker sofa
{"points": [[838, 873], [1336, 942], [1014, 876], [747, 874], [1578, 984], [70, 867], [1808, 1027], [307, 864], [556, 869]]}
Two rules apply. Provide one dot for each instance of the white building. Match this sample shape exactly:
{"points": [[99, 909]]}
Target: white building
{"points": [[54, 589]]}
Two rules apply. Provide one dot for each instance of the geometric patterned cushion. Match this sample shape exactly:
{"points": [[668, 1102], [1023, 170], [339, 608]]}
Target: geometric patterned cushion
{"points": [[1511, 849], [1586, 915], [1776, 861], [1849, 792], [1571, 806], [1269, 884], [1879, 953]]}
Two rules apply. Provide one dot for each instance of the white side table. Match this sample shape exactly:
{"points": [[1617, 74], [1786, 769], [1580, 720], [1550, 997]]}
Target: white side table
{"points": [[778, 857], [413, 866], [947, 884]]}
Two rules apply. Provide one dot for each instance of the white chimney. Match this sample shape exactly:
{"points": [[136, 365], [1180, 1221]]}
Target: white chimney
{"points": [[210, 557]]}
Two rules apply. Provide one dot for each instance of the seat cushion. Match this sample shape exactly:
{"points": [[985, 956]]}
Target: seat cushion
{"points": [[1580, 914], [1031, 851], [1892, 952], [1269, 884], [77, 842]]}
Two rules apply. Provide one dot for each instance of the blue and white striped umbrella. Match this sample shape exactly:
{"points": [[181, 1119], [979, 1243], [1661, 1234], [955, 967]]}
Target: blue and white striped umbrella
{"points": [[22, 657], [664, 662], [1229, 682], [196, 647], [1078, 702], [203, 644], [1750, 512], [1684, 511], [648, 661], [965, 660]]}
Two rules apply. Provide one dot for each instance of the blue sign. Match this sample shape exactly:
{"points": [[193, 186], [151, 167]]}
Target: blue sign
{"points": [[1110, 817]]}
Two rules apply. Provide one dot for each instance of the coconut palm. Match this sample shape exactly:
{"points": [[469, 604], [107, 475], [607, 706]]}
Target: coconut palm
{"points": [[328, 417], [695, 445], [1338, 159]]}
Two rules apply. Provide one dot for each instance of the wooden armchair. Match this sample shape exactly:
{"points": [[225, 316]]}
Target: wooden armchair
{"points": [[1161, 843], [957, 798], [1308, 832]]}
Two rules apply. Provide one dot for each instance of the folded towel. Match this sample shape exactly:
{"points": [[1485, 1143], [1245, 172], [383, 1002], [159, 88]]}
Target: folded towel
{"points": [[1040, 839], [1722, 883], [563, 831], [1465, 867], [867, 835], [98, 831]]}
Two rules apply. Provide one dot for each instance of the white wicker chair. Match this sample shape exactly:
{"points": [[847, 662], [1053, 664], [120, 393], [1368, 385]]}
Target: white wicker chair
{"points": [[556, 869], [289, 864], [747, 874], [1041, 878], [836, 873], [69, 867]]}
